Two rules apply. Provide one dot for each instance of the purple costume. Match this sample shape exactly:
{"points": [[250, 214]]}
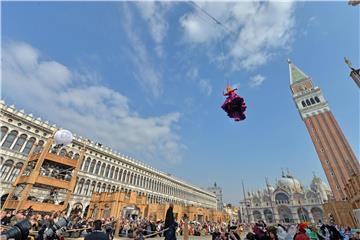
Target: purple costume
{"points": [[234, 106]]}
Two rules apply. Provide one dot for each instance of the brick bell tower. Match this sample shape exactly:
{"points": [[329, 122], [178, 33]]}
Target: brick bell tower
{"points": [[334, 152]]}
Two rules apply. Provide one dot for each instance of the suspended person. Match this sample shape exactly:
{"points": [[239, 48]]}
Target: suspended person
{"points": [[170, 224], [234, 105]]}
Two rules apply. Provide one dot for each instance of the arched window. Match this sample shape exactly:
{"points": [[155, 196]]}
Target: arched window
{"points": [[308, 102], [317, 99], [92, 166], [62, 152], [92, 189], [112, 172], [312, 101], [98, 187], [303, 103], [20, 142], [39, 147], [6, 168], [10, 139], [97, 169], [108, 188], [28, 146], [76, 156], [103, 187], [86, 187], [116, 173], [102, 169], [70, 154], [4, 130], [281, 198], [15, 172], [86, 164], [121, 175], [80, 186], [107, 171]]}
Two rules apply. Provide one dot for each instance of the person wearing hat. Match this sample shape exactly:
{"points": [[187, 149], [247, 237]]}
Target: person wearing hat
{"points": [[97, 233], [301, 234]]}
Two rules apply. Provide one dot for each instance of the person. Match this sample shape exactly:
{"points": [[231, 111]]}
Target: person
{"points": [[312, 233], [301, 234], [234, 105], [97, 233], [273, 233], [170, 224]]}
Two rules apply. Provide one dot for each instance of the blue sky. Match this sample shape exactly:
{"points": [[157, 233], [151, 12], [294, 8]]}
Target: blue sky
{"points": [[147, 80]]}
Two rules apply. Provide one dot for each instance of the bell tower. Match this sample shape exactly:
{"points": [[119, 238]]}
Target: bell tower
{"points": [[333, 150]]}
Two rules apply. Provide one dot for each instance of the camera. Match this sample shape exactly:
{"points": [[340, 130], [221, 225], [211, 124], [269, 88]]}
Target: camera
{"points": [[19, 231], [56, 228]]}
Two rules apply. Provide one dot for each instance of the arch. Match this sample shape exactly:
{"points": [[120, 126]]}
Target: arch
{"points": [[4, 130], [103, 187], [113, 189], [97, 168], [76, 208], [92, 188], [303, 214], [20, 142], [312, 101], [281, 198], [102, 170], [80, 186], [308, 102], [317, 99], [92, 166], [76, 156], [303, 103], [29, 145], [63, 152], [15, 172], [108, 188], [318, 214], [107, 171], [86, 187], [120, 175], [285, 215], [70, 154], [116, 173], [86, 164], [112, 172], [257, 215], [6, 168], [98, 187], [39, 146], [269, 218], [10, 139]]}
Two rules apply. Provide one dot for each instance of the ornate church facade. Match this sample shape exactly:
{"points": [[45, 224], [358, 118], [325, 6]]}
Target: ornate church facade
{"points": [[288, 201]]}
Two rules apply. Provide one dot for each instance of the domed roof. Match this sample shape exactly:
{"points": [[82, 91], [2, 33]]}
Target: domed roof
{"points": [[317, 184], [289, 182]]}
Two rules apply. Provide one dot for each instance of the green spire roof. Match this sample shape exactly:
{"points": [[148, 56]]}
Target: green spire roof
{"points": [[296, 75]]}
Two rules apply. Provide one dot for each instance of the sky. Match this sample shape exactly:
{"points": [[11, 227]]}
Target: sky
{"points": [[146, 79]]}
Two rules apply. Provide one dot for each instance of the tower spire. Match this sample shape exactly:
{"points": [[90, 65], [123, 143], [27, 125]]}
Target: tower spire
{"points": [[296, 75]]}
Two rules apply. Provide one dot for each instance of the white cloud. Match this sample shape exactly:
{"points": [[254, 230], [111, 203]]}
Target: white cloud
{"points": [[149, 77], [154, 13], [51, 90], [204, 84], [254, 30], [257, 80]]}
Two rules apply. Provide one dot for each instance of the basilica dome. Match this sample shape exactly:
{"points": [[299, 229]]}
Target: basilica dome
{"points": [[290, 182]]}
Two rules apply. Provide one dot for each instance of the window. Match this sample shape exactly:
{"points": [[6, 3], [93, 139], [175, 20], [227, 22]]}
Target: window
{"points": [[3, 132], [332, 173], [20, 142], [28, 146], [6, 168], [92, 166], [76, 156], [102, 169], [10, 139], [107, 171], [303, 103], [308, 102], [62, 152], [317, 99], [97, 167], [112, 172], [15, 172], [312, 101], [86, 164]]}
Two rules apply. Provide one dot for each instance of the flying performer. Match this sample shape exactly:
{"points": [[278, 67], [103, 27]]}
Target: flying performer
{"points": [[234, 105]]}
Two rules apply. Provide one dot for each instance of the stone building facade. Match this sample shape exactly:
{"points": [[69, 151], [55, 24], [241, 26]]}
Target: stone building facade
{"points": [[217, 190], [102, 170], [286, 202]]}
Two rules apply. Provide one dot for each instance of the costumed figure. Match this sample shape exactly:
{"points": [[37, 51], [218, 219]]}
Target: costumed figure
{"points": [[170, 223], [234, 105]]}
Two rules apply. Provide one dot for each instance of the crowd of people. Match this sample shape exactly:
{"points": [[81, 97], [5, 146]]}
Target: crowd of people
{"points": [[141, 228]]}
